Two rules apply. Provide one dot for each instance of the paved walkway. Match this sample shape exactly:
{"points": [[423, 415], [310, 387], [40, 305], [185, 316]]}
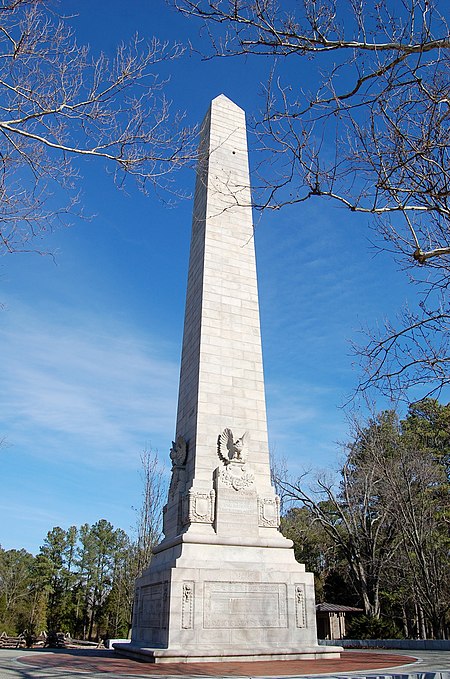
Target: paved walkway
{"points": [[70, 664]]}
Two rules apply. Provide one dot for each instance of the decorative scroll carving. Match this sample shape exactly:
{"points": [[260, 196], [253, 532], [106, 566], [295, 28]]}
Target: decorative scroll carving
{"points": [[300, 611], [165, 605], [137, 608], [187, 605], [269, 511], [230, 450], [199, 507]]}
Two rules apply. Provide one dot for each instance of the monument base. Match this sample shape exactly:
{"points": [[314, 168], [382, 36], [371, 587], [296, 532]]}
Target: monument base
{"points": [[180, 655], [201, 602]]}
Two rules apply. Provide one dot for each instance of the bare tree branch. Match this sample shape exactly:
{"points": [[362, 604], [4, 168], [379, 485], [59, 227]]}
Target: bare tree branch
{"points": [[57, 102], [373, 138], [149, 521]]}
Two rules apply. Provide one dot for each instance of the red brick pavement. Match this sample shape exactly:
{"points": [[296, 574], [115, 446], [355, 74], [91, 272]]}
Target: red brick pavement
{"points": [[108, 662]]}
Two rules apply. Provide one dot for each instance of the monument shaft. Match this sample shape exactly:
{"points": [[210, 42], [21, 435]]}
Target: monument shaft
{"points": [[222, 344], [221, 381], [224, 582]]}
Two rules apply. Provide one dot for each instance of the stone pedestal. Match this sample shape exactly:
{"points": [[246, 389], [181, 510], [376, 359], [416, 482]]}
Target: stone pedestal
{"points": [[204, 602], [224, 583]]}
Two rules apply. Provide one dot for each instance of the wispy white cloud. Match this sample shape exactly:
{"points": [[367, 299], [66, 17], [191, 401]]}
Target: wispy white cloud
{"points": [[304, 428], [309, 273], [82, 386], [24, 512]]}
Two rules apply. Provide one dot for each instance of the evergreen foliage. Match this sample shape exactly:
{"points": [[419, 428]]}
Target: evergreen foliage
{"points": [[82, 580], [378, 538]]}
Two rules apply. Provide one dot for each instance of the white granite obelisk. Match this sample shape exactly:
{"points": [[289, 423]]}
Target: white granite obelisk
{"points": [[223, 583]]}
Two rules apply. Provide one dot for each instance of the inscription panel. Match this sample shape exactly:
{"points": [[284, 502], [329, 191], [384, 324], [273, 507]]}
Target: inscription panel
{"points": [[153, 605], [237, 505], [232, 605], [236, 512]]}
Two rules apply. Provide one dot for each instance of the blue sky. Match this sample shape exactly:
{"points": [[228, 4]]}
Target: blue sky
{"points": [[90, 342]]}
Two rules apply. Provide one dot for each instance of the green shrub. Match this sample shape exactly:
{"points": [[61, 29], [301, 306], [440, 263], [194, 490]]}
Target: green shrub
{"points": [[364, 627]]}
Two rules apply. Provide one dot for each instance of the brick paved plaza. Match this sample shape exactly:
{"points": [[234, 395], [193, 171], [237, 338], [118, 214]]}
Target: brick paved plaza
{"points": [[99, 661]]}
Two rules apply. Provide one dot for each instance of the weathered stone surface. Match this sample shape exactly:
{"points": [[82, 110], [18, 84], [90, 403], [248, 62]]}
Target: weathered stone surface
{"points": [[224, 582]]}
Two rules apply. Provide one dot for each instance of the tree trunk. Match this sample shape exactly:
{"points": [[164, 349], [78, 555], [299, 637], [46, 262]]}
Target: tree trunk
{"points": [[405, 623], [422, 628]]}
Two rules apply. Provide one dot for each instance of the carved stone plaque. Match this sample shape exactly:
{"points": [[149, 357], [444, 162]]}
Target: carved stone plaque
{"points": [[245, 605]]}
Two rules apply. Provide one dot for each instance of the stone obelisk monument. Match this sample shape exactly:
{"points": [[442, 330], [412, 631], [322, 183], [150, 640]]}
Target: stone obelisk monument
{"points": [[223, 583]]}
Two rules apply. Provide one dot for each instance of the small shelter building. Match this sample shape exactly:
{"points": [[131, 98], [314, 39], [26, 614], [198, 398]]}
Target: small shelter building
{"points": [[331, 620]]}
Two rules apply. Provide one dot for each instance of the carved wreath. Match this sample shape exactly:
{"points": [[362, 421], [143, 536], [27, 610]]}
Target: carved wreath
{"points": [[237, 481]]}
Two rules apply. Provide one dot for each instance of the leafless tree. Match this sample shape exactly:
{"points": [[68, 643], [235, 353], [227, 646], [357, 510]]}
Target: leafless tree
{"points": [[149, 514], [388, 514], [373, 137], [361, 527], [59, 102]]}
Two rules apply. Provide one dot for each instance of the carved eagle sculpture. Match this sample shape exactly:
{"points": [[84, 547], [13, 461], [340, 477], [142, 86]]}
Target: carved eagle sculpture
{"points": [[178, 452], [230, 450]]}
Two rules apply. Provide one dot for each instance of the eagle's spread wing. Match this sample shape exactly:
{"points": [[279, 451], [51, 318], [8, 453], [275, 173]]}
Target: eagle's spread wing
{"points": [[225, 446]]}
